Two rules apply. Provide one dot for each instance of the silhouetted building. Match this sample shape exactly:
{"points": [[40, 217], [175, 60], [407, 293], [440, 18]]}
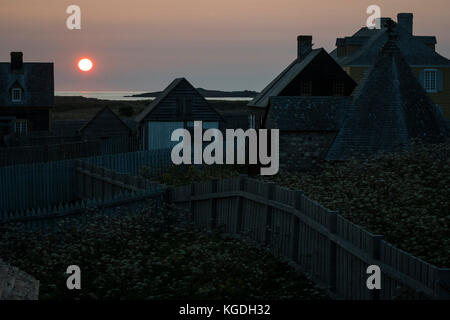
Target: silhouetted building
{"points": [[357, 53], [26, 96], [387, 110], [312, 73], [104, 125], [178, 106]]}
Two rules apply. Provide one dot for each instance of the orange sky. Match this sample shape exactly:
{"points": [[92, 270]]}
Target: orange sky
{"points": [[229, 45]]}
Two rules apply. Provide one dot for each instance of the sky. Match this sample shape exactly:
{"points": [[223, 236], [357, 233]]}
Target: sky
{"points": [[142, 45]]}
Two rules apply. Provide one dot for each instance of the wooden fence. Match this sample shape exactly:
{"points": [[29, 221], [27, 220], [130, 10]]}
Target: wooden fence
{"points": [[42, 184], [72, 150], [331, 250], [97, 188]]}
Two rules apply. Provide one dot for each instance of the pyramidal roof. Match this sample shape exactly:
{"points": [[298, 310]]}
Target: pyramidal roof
{"points": [[389, 109]]}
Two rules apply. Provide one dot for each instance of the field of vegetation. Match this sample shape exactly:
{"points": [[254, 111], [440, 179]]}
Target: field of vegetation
{"points": [[404, 196], [148, 256]]}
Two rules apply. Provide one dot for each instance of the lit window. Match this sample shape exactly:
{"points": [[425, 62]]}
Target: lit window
{"points": [[251, 119], [338, 88], [21, 126], [430, 80], [305, 88], [16, 95]]}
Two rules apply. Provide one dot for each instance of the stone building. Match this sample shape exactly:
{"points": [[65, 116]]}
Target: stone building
{"points": [[387, 110], [357, 53], [26, 96]]}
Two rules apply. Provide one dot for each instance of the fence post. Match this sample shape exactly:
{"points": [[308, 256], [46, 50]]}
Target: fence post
{"points": [[375, 253], [332, 253], [269, 196], [239, 202], [213, 205], [444, 283], [296, 225]]}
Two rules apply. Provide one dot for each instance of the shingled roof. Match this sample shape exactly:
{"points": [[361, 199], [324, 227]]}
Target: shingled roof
{"points": [[16, 284], [389, 109], [307, 113], [36, 80], [413, 48], [283, 79]]}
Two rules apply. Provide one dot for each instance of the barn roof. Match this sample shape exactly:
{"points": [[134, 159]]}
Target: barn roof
{"points": [[167, 91], [283, 79], [105, 109], [36, 80], [390, 108], [307, 113], [415, 50]]}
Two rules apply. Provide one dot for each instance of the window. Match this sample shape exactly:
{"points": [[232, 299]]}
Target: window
{"points": [[430, 80], [21, 127], [251, 120], [306, 88], [338, 88], [16, 95]]}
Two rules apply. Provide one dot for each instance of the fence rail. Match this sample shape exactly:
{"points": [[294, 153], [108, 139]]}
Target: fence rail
{"points": [[98, 188], [54, 152], [41, 184], [333, 251]]}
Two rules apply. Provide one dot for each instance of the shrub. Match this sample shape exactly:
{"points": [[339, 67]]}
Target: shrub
{"points": [[405, 196]]}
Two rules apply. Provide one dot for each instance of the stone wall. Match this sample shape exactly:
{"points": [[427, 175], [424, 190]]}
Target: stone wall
{"points": [[303, 150], [16, 284]]}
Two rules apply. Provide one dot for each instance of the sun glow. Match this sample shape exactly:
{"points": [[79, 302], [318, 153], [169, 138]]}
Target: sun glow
{"points": [[85, 64]]}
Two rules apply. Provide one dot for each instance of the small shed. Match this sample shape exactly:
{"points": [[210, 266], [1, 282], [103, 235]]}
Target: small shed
{"points": [[104, 125], [178, 106]]}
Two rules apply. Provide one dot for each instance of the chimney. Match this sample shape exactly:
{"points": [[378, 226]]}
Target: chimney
{"points": [[16, 61], [304, 46], [383, 21], [405, 20]]}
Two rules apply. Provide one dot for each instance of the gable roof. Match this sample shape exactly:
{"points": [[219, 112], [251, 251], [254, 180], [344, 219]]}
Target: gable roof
{"points": [[307, 113], [105, 109], [36, 80], [414, 49], [283, 79], [389, 109], [167, 91]]}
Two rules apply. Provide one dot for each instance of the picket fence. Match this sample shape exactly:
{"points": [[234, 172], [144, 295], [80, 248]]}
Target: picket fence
{"points": [[57, 217], [331, 250], [101, 191], [72, 150], [23, 187]]}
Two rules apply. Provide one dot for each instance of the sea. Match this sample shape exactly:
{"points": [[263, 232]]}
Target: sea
{"points": [[123, 95]]}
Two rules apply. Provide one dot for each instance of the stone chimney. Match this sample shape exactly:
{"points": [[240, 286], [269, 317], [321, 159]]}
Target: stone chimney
{"points": [[304, 46], [16, 61], [405, 20]]}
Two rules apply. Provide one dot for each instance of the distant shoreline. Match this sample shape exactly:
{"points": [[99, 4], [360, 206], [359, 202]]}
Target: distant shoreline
{"points": [[205, 93]]}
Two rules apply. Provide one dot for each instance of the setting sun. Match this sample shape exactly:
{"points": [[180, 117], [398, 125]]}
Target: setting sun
{"points": [[85, 64]]}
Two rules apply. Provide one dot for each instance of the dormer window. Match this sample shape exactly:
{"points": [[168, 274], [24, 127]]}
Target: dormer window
{"points": [[16, 95]]}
